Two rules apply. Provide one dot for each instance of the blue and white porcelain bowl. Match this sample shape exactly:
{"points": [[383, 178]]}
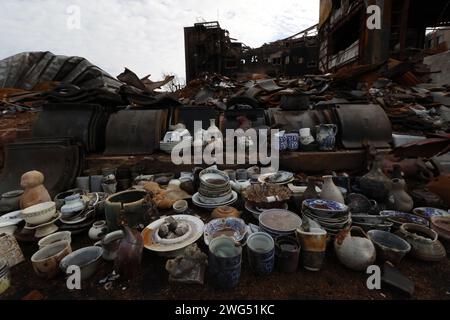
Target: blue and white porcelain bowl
{"points": [[234, 228], [428, 213], [399, 218], [325, 208]]}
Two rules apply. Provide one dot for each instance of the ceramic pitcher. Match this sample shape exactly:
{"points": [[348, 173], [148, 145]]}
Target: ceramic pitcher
{"points": [[326, 136]]}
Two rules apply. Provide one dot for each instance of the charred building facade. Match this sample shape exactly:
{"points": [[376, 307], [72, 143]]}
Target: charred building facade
{"points": [[346, 40], [209, 48]]}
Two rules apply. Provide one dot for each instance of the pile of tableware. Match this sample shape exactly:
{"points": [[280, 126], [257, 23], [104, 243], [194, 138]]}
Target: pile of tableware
{"points": [[78, 212], [172, 246], [398, 218], [331, 215], [370, 222], [214, 191], [180, 138], [279, 222], [41, 219], [279, 177]]}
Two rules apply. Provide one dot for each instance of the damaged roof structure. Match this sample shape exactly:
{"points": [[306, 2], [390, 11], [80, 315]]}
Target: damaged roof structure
{"points": [[209, 49]]}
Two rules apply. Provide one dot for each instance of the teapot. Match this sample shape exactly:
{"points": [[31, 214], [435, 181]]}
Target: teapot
{"points": [[355, 252]]}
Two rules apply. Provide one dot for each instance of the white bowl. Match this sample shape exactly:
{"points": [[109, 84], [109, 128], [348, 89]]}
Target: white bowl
{"points": [[39, 213], [87, 259], [180, 206], [56, 237]]}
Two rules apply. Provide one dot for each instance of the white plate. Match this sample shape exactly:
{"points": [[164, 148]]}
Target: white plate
{"points": [[10, 219], [198, 203], [197, 227]]}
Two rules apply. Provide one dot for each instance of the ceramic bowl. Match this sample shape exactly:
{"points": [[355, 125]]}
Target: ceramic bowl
{"points": [[8, 229], [225, 212], [213, 178], [180, 206], [231, 227], [399, 218], [87, 259], [389, 246], [215, 200], [279, 221], [428, 213], [325, 208], [39, 213], [46, 261], [442, 226], [55, 237]]}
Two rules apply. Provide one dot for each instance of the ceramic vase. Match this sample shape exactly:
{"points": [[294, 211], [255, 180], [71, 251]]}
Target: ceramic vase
{"points": [[330, 191], [375, 185], [401, 200], [129, 254], [326, 136], [98, 230]]}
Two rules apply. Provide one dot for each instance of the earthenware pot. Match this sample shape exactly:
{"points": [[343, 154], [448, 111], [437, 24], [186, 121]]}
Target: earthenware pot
{"points": [[330, 191], [110, 244], [287, 251], [401, 200], [129, 254], [313, 247], [10, 201], [46, 260], [129, 203], [390, 247], [225, 212], [358, 203], [424, 242], [442, 226], [224, 261], [98, 230], [261, 253], [375, 185], [326, 136], [87, 259], [355, 252], [231, 174]]}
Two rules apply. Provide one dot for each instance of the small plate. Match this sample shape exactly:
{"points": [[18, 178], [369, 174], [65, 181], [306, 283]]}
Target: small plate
{"points": [[10, 219]]}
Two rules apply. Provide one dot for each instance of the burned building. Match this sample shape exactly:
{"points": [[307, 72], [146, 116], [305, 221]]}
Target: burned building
{"points": [[346, 39], [209, 48]]}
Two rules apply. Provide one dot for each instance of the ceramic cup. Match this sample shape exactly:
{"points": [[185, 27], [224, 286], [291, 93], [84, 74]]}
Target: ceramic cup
{"points": [[261, 253], [283, 142], [231, 174], [241, 174], [306, 137], [313, 247], [287, 252], [83, 183], [180, 206], [292, 141], [326, 136], [224, 260]]}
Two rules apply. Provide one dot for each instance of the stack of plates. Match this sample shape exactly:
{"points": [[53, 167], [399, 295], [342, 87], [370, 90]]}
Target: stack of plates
{"points": [[255, 211], [214, 191], [331, 215], [369, 222], [279, 222], [280, 177]]}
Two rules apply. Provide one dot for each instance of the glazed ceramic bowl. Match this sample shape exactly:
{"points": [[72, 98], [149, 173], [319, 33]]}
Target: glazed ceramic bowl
{"points": [[389, 246], [399, 218], [225, 212], [231, 227], [325, 208], [46, 260], [213, 178], [39, 213], [279, 221], [55, 237], [215, 200], [428, 213], [87, 259], [180, 206]]}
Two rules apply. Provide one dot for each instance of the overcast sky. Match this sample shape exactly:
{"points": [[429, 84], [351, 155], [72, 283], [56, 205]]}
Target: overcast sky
{"points": [[144, 35]]}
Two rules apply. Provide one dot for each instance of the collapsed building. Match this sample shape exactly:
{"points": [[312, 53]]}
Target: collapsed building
{"points": [[209, 49], [345, 39]]}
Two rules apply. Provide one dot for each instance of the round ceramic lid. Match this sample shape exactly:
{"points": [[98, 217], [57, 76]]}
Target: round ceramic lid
{"points": [[11, 218], [280, 220], [148, 235]]}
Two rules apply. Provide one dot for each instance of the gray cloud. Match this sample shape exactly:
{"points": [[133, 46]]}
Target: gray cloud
{"points": [[144, 35]]}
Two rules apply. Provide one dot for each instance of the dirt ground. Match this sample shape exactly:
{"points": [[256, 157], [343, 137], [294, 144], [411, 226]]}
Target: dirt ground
{"points": [[334, 281]]}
